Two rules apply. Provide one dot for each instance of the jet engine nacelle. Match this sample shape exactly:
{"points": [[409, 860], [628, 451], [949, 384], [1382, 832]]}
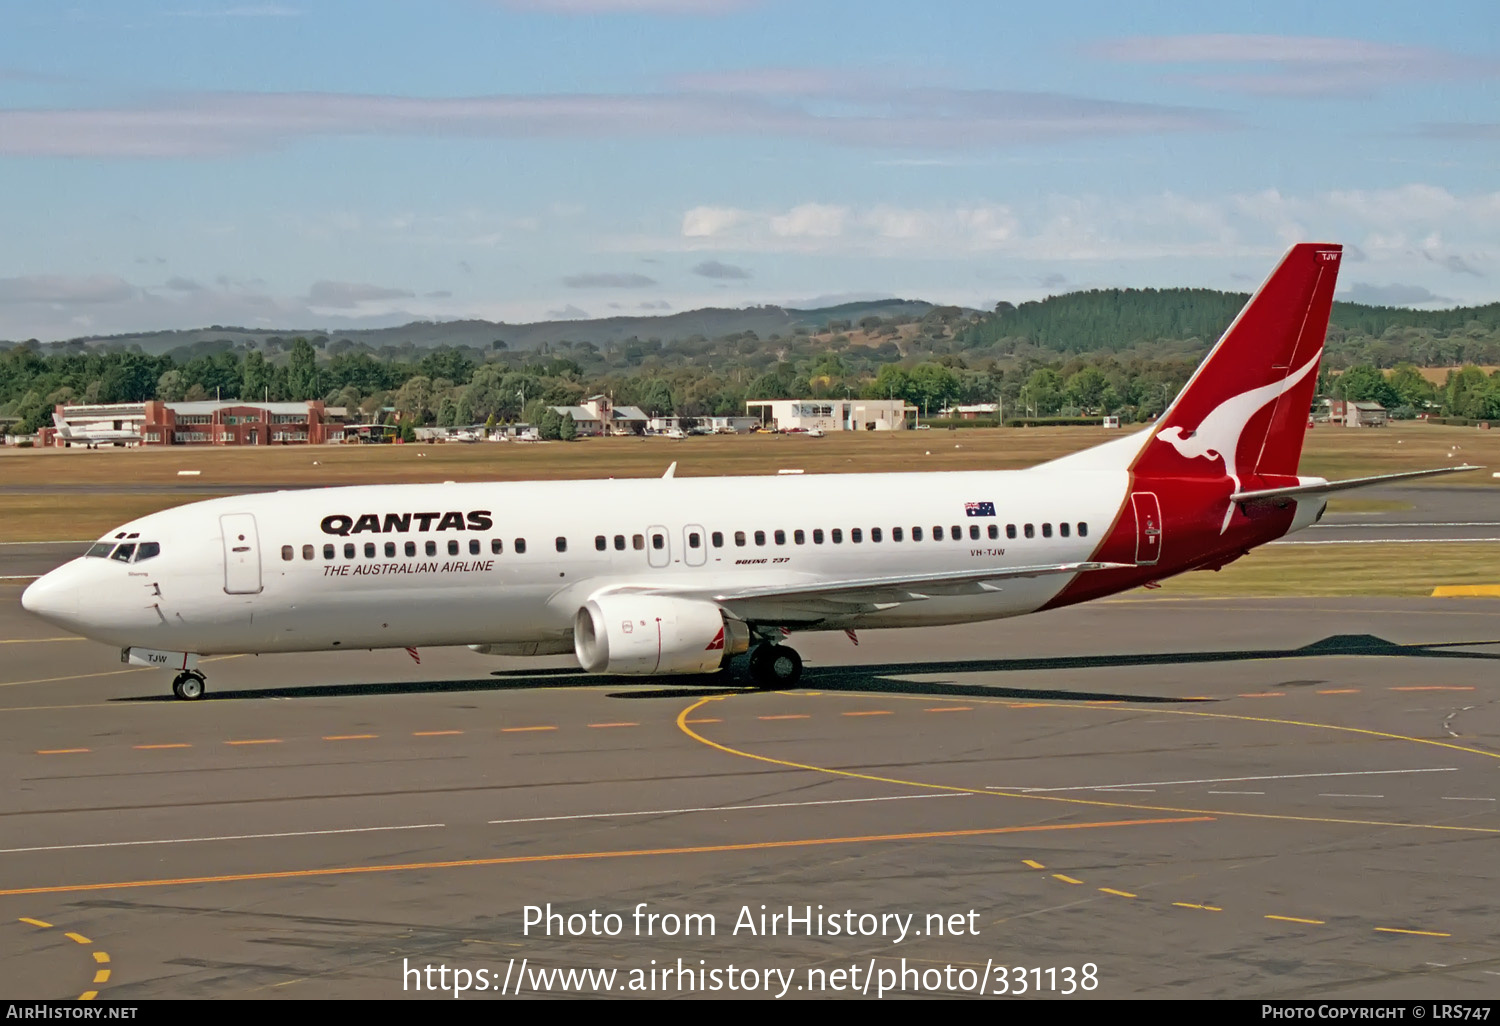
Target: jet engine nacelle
{"points": [[655, 634]]}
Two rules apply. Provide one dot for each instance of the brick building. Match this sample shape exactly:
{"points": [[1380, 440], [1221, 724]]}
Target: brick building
{"points": [[210, 422]]}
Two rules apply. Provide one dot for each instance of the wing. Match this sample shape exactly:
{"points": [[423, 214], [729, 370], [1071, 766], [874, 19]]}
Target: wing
{"points": [[1278, 495], [811, 601]]}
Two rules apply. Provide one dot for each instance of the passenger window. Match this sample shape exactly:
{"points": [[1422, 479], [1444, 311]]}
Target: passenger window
{"points": [[817, 536], [974, 531], [411, 548], [760, 537], [619, 543], [718, 539], [286, 552], [799, 537], [739, 537], [497, 546], [99, 549], [1030, 531], [562, 544], [1010, 530], [149, 549], [856, 535], [431, 548], [307, 551], [695, 540], [916, 534], [874, 534], [658, 541], [896, 534], [994, 531], [519, 546], [390, 550], [328, 551], [349, 549], [1083, 530], [780, 537], [473, 546], [1062, 529], [369, 550], [638, 541], [452, 546], [600, 542], [836, 535], [1046, 530], [937, 532]]}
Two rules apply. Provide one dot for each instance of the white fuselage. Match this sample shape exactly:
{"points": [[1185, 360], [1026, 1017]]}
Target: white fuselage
{"points": [[457, 576]]}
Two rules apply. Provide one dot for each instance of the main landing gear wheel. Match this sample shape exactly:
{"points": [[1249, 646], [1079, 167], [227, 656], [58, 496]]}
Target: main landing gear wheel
{"points": [[188, 685], [774, 666]]}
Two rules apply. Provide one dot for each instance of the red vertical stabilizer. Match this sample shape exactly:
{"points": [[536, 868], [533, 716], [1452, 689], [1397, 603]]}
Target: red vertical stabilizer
{"points": [[1245, 410]]}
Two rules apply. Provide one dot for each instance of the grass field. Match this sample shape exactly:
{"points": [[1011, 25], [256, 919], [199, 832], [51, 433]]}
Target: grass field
{"points": [[125, 483], [1329, 451]]}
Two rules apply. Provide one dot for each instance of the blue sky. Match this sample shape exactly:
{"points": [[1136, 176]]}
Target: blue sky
{"points": [[306, 164]]}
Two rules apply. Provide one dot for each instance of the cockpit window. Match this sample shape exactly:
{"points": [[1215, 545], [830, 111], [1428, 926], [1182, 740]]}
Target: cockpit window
{"points": [[124, 552], [147, 550], [99, 549]]}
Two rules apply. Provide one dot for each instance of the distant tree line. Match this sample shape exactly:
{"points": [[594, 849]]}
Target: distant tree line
{"points": [[1119, 352]]}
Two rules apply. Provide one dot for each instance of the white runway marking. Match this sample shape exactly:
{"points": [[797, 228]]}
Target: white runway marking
{"points": [[1469, 799], [1227, 780], [19, 577], [226, 837], [1351, 796], [1236, 792], [723, 808]]}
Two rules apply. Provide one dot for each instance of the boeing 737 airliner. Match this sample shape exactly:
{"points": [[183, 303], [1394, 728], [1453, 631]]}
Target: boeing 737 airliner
{"points": [[675, 576]]}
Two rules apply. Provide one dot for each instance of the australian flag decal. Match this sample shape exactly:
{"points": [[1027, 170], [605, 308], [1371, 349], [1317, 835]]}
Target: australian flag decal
{"points": [[979, 509]]}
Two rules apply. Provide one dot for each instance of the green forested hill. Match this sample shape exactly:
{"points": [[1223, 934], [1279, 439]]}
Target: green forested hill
{"points": [[1115, 320]]}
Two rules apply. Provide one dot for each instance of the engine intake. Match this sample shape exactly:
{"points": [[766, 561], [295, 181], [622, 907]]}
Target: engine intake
{"points": [[646, 634]]}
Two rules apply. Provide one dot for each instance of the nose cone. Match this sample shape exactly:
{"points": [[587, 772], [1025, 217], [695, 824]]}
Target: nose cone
{"points": [[53, 597]]}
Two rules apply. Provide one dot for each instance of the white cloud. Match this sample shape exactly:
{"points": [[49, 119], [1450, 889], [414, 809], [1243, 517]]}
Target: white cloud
{"points": [[705, 222], [813, 220], [1414, 229]]}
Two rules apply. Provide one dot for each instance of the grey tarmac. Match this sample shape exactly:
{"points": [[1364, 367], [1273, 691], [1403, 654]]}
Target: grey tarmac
{"points": [[1233, 798]]}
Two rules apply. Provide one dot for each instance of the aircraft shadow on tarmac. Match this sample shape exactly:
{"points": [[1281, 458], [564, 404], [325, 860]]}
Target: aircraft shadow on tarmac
{"points": [[878, 678]]}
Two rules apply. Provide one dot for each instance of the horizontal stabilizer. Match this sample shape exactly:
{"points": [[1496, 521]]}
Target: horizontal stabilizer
{"points": [[1327, 487]]}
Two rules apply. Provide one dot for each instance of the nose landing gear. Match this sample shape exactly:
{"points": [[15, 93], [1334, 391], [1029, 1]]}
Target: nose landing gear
{"points": [[188, 685]]}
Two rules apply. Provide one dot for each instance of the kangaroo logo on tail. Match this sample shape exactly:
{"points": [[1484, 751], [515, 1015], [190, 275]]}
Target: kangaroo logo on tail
{"points": [[1218, 435]]}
